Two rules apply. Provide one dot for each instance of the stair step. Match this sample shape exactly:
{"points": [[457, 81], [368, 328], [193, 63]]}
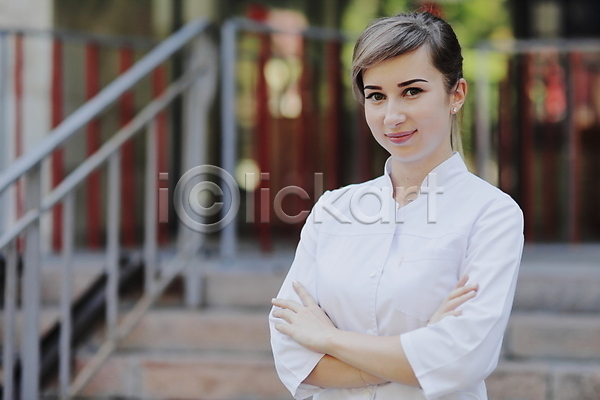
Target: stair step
{"points": [[186, 375], [221, 289], [85, 271], [173, 329], [552, 288], [540, 286], [241, 289], [52, 283], [552, 278], [48, 317], [550, 335], [224, 377], [549, 289], [544, 381]]}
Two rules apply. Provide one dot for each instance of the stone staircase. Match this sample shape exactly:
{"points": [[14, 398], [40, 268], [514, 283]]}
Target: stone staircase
{"points": [[221, 351], [551, 348]]}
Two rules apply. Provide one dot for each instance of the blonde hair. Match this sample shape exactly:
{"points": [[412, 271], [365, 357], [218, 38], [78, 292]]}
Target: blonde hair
{"points": [[390, 37]]}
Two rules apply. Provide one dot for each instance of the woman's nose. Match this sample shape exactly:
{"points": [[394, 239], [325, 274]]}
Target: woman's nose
{"points": [[393, 117]]}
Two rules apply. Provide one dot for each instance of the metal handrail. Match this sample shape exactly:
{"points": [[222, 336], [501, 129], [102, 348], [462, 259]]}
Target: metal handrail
{"points": [[29, 166], [98, 158], [100, 102], [513, 46], [67, 35]]}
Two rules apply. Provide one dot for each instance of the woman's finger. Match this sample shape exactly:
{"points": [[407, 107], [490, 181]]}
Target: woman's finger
{"points": [[304, 295], [283, 328], [462, 290], [462, 281], [458, 301], [453, 313], [288, 304], [284, 314], [459, 295]]}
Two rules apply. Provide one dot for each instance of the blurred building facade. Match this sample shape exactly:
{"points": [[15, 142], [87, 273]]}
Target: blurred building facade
{"points": [[549, 119], [293, 118], [50, 76], [535, 170], [572, 19]]}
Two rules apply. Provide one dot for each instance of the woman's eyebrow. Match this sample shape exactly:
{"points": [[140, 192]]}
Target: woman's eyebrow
{"points": [[410, 82]]}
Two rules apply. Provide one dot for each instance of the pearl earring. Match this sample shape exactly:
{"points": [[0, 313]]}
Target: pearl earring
{"points": [[455, 110]]}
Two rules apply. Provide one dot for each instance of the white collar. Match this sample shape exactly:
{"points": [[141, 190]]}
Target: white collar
{"points": [[446, 170]]}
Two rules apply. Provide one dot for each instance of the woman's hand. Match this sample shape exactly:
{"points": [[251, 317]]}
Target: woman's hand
{"points": [[461, 293], [307, 323]]}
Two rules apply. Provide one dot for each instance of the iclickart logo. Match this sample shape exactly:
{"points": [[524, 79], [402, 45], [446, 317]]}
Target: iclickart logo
{"points": [[198, 198]]}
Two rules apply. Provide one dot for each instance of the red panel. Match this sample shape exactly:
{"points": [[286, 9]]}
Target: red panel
{"points": [[159, 85], [305, 152], [527, 148], [333, 123], [163, 205], [263, 133], [58, 163], [20, 206], [128, 192], [554, 107], [505, 131], [579, 84], [94, 191], [257, 12]]}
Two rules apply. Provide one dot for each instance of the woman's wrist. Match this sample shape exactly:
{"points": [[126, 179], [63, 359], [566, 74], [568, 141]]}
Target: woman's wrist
{"points": [[329, 341], [360, 372], [370, 380]]}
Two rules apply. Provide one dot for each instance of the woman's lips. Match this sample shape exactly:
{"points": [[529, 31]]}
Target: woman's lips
{"points": [[400, 137]]}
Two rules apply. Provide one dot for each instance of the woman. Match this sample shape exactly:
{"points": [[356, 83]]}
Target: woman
{"points": [[376, 304]]}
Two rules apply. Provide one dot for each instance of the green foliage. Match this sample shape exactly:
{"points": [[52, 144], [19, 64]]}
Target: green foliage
{"points": [[476, 20], [472, 20]]}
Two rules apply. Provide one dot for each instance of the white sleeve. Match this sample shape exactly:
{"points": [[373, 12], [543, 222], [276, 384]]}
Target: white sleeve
{"points": [[293, 361], [460, 352]]}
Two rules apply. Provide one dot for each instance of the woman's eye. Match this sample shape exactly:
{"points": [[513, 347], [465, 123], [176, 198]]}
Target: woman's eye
{"points": [[412, 91], [376, 96]]}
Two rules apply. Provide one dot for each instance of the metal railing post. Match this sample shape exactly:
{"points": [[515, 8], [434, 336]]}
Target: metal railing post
{"points": [[113, 241], [197, 101], [151, 208], [30, 344], [3, 123], [66, 297], [8, 320], [228, 244]]}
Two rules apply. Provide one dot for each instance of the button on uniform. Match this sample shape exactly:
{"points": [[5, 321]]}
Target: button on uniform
{"points": [[366, 394], [372, 274]]}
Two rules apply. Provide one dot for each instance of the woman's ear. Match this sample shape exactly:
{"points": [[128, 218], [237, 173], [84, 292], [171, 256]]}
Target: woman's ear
{"points": [[459, 95]]}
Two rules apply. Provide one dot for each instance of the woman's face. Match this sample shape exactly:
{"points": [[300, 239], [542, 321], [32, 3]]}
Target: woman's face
{"points": [[408, 109]]}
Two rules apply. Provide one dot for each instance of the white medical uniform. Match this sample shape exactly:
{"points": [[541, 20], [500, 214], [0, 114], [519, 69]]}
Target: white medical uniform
{"points": [[388, 277]]}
